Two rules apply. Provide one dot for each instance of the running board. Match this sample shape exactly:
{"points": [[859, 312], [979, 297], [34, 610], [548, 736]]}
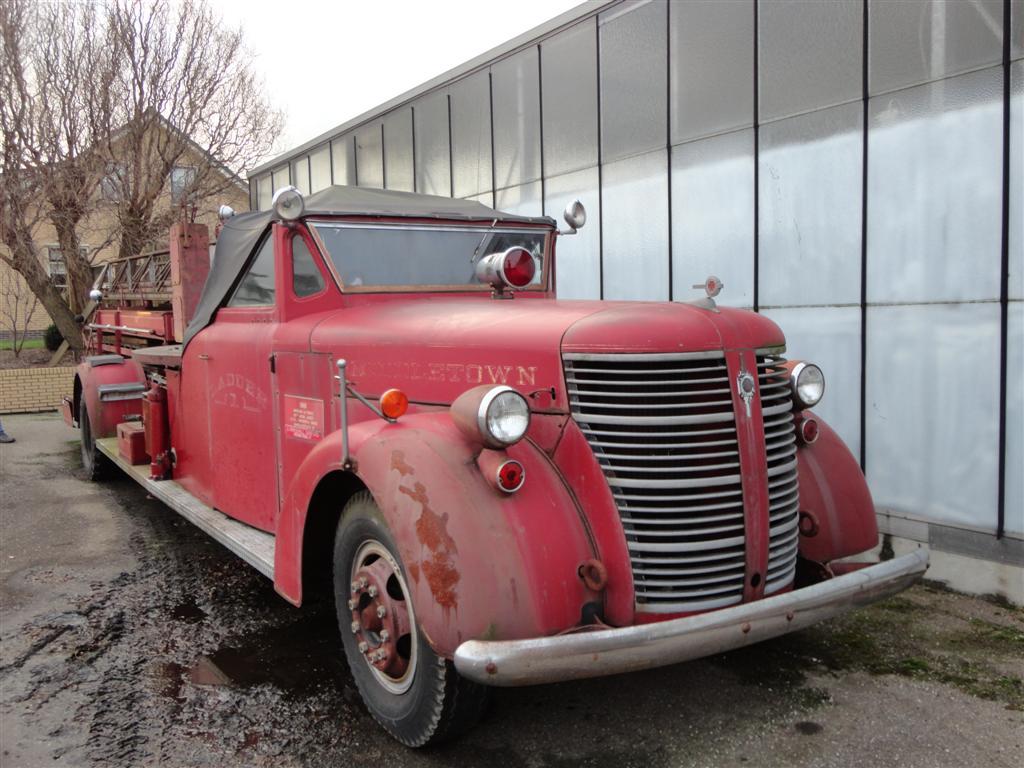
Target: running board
{"points": [[254, 546]]}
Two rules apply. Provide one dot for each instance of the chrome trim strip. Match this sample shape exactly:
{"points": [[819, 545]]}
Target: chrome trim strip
{"points": [[620, 357], [645, 646]]}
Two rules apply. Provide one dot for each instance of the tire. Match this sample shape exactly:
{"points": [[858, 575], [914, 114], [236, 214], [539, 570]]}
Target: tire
{"points": [[97, 466], [415, 694]]}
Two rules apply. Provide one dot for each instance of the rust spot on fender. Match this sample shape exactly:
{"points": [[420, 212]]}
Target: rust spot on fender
{"points": [[398, 462], [432, 530]]}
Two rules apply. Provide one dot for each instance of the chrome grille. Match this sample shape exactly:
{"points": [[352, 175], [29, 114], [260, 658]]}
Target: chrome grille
{"points": [[662, 428], [783, 493]]}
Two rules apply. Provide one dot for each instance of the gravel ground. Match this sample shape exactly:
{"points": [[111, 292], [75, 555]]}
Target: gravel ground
{"points": [[128, 638]]}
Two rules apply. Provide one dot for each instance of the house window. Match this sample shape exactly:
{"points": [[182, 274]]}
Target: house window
{"points": [[57, 266], [182, 180]]}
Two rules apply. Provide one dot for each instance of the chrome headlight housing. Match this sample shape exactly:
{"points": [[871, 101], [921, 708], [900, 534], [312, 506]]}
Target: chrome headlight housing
{"points": [[503, 417], [808, 385]]}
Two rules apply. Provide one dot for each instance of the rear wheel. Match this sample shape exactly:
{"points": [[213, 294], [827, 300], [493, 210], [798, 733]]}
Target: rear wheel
{"points": [[410, 690], [97, 466]]}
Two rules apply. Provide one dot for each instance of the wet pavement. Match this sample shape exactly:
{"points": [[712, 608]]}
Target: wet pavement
{"points": [[128, 638]]}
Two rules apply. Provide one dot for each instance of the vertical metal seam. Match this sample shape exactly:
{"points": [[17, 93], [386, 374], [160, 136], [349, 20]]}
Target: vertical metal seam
{"points": [[383, 159], [412, 123], [309, 172], [451, 149], [540, 121], [600, 161], [668, 134], [757, 170], [865, 97], [1004, 281], [355, 159], [490, 121], [330, 159]]}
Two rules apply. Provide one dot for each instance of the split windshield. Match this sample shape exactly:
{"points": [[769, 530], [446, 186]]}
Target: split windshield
{"points": [[369, 255]]}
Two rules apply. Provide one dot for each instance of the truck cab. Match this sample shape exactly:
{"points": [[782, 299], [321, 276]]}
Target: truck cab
{"points": [[380, 393]]}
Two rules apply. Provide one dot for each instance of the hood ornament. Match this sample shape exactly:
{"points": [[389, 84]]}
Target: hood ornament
{"points": [[745, 386], [712, 287]]}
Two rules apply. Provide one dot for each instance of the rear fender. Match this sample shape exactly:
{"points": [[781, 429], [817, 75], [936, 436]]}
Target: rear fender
{"points": [[112, 390], [480, 563], [835, 494]]}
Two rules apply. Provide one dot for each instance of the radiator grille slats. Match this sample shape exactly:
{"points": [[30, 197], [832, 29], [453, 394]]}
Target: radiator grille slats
{"points": [[663, 429]]}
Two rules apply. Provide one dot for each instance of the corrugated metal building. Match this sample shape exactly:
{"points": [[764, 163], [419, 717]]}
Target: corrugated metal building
{"points": [[850, 168]]}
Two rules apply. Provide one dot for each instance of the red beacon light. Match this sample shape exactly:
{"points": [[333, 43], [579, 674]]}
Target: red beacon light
{"points": [[514, 268]]}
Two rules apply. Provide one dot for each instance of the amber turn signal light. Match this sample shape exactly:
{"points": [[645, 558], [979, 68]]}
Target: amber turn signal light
{"points": [[394, 403]]}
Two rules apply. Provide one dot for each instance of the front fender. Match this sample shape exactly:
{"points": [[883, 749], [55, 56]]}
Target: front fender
{"points": [[480, 563], [833, 490], [108, 409]]}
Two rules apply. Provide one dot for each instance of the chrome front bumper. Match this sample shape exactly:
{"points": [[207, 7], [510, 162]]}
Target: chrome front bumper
{"points": [[629, 649]]}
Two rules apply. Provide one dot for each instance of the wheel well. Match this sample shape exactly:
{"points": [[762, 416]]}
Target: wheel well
{"points": [[329, 498]]}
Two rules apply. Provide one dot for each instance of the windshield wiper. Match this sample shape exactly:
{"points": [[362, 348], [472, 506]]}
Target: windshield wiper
{"points": [[476, 251]]}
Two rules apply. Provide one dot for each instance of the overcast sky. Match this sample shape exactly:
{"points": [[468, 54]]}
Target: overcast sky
{"points": [[326, 61]]}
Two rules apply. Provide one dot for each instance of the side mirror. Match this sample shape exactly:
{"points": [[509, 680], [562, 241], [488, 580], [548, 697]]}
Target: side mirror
{"points": [[225, 212], [575, 216], [96, 295]]}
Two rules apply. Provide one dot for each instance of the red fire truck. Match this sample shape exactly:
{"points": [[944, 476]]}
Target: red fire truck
{"points": [[380, 392]]}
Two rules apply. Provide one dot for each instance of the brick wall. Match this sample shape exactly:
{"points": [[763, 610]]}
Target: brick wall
{"points": [[24, 390]]}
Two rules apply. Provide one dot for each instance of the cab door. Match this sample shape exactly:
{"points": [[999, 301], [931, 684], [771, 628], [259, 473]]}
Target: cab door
{"points": [[240, 392]]}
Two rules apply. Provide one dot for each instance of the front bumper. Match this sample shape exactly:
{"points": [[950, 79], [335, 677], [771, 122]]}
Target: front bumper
{"points": [[629, 649]]}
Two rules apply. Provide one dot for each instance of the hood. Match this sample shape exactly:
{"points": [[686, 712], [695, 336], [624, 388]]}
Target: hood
{"points": [[434, 348]]}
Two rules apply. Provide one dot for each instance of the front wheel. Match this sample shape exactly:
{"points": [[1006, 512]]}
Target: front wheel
{"points": [[410, 690]]}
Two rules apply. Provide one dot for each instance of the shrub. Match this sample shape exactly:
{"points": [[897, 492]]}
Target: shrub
{"points": [[52, 338]]}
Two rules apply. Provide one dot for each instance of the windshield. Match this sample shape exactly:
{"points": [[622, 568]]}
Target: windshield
{"points": [[369, 255]]}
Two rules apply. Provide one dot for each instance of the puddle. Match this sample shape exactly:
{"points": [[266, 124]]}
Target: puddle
{"points": [[296, 658], [188, 612]]}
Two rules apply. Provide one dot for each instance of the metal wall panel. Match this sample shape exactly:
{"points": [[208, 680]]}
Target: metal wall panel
{"points": [[524, 200], [917, 41], [829, 337], [713, 216], [264, 193], [320, 168], [578, 257], [635, 227], [1016, 29], [1016, 190], [471, 135], [634, 72], [935, 191], [809, 55], [810, 208], [300, 174], [932, 425], [516, 85], [569, 91], [433, 151], [1015, 420], [343, 160], [281, 177], [711, 67], [398, 170], [369, 157]]}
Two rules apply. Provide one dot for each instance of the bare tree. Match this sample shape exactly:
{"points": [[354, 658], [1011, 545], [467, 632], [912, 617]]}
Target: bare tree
{"points": [[186, 96], [18, 306], [99, 104]]}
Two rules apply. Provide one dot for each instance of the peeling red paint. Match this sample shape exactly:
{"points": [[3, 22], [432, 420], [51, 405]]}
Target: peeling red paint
{"points": [[398, 462], [432, 530]]}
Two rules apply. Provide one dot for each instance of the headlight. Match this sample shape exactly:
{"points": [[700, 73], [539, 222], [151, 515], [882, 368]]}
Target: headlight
{"points": [[808, 384], [504, 417]]}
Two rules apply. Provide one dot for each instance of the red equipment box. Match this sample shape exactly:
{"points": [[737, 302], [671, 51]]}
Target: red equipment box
{"points": [[131, 442]]}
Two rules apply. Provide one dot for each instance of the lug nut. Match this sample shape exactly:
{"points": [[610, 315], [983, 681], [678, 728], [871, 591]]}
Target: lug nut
{"points": [[354, 588], [381, 611], [364, 647], [352, 605], [372, 591], [362, 582], [384, 635], [356, 626]]}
